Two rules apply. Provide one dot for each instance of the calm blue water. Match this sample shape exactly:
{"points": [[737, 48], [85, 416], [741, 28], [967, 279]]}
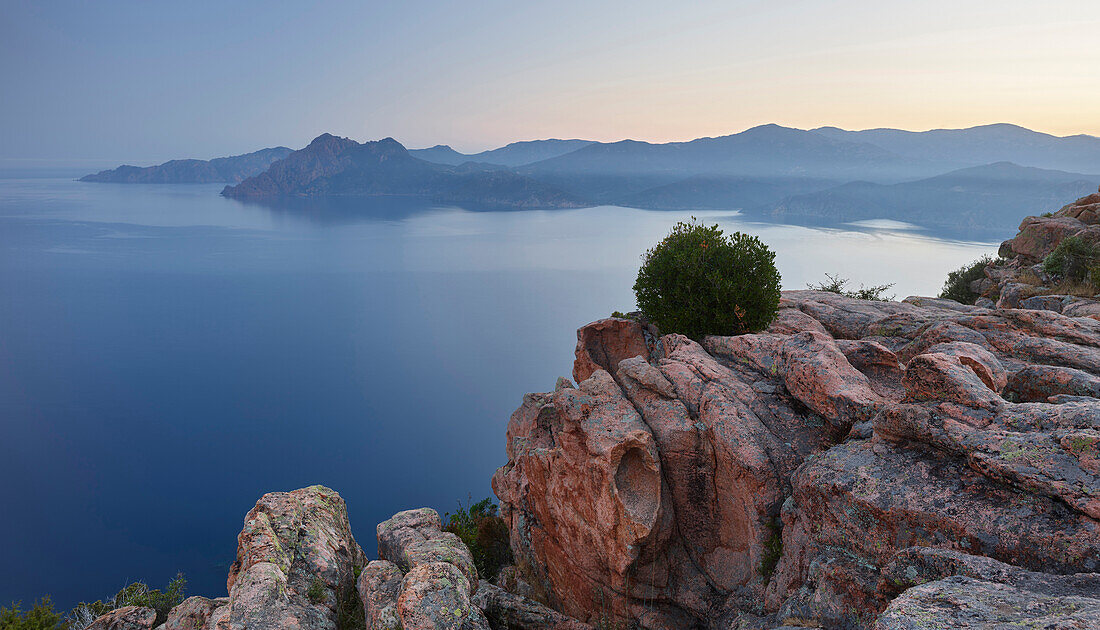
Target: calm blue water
{"points": [[167, 356]]}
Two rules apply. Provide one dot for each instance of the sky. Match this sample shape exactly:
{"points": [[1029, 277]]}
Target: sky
{"points": [[145, 81]]}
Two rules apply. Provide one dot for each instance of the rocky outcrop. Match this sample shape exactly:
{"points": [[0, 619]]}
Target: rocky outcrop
{"points": [[193, 613], [424, 580], [787, 476], [295, 566], [126, 618], [1018, 280], [298, 567]]}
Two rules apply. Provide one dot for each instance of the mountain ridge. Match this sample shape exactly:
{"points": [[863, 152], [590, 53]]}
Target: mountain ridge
{"points": [[229, 169], [334, 166]]}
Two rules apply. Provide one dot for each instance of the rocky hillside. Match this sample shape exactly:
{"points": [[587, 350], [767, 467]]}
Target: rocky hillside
{"points": [[858, 465], [1019, 279], [219, 170]]}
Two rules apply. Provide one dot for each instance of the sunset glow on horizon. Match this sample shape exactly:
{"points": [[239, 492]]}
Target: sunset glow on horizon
{"points": [[145, 81]]}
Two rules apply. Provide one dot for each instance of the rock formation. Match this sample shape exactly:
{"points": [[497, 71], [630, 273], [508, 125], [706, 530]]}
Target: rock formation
{"points": [[1018, 280], [809, 474], [298, 567]]}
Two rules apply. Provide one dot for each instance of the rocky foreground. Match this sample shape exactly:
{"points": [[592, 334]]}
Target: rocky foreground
{"points": [[885, 465], [921, 464]]}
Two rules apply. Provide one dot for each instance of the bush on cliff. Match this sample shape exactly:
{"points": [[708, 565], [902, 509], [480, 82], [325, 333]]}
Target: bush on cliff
{"points": [[698, 281], [40, 617], [484, 533], [1072, 259], [136, 594], [957, 286]]}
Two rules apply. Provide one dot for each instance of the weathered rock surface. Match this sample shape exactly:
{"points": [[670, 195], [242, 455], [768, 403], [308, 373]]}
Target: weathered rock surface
{"points": [[427, 581], [508, 611], [193, 613], [964, 602], [786, 476], [126, 618], [424, 580], [296, 559]]}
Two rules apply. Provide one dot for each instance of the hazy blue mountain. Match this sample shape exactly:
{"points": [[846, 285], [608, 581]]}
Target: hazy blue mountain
{"points": [[983, 199], [514, 154], [227, 169], [607, 171], [333, 166], [983, 145], [710, 192]]}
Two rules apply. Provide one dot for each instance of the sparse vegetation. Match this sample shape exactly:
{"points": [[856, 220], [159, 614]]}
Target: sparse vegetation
{"points": [[41, 616], [957, 286], [773, 550], [135, 594], [1072, 259], [484, 533], [836, 284], [698, 281], [316, 591], [349, 608]]}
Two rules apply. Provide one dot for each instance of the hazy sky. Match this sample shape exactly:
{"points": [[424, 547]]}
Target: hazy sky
{"points": [[148, 80]]}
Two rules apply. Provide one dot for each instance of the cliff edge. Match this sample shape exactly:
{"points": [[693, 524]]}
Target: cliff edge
{"points": [[858, 465]]}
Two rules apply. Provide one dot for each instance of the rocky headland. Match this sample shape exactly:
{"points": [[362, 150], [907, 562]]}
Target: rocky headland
{"points": [[331, 166], [858, 465], [231, 170], [1019, 279]]}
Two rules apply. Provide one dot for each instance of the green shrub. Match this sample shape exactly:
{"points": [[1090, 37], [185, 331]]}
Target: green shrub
{"points": [[697, 282], [1072, 259], [136, 594], [40, 617], [486, 535], [836, 284], [957, 286], [316, 591]]}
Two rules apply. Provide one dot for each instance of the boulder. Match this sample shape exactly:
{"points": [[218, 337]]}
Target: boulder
{"points": [[126, 618], [965, 602], [436, 596], [379, 586], [296, 560], [193, 613], [507, 611]]}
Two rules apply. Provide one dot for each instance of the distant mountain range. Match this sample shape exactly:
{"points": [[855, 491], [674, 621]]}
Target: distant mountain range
{"points": [[227, 169], [977, 179], [332, 166], [515, 154], [979, 200], [983, 145]]}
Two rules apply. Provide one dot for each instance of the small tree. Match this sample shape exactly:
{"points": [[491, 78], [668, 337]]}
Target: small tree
{"points": [[1072, 259], [484, 533], [41, 616], [697, 282], [839, 285], [957, 286]]}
